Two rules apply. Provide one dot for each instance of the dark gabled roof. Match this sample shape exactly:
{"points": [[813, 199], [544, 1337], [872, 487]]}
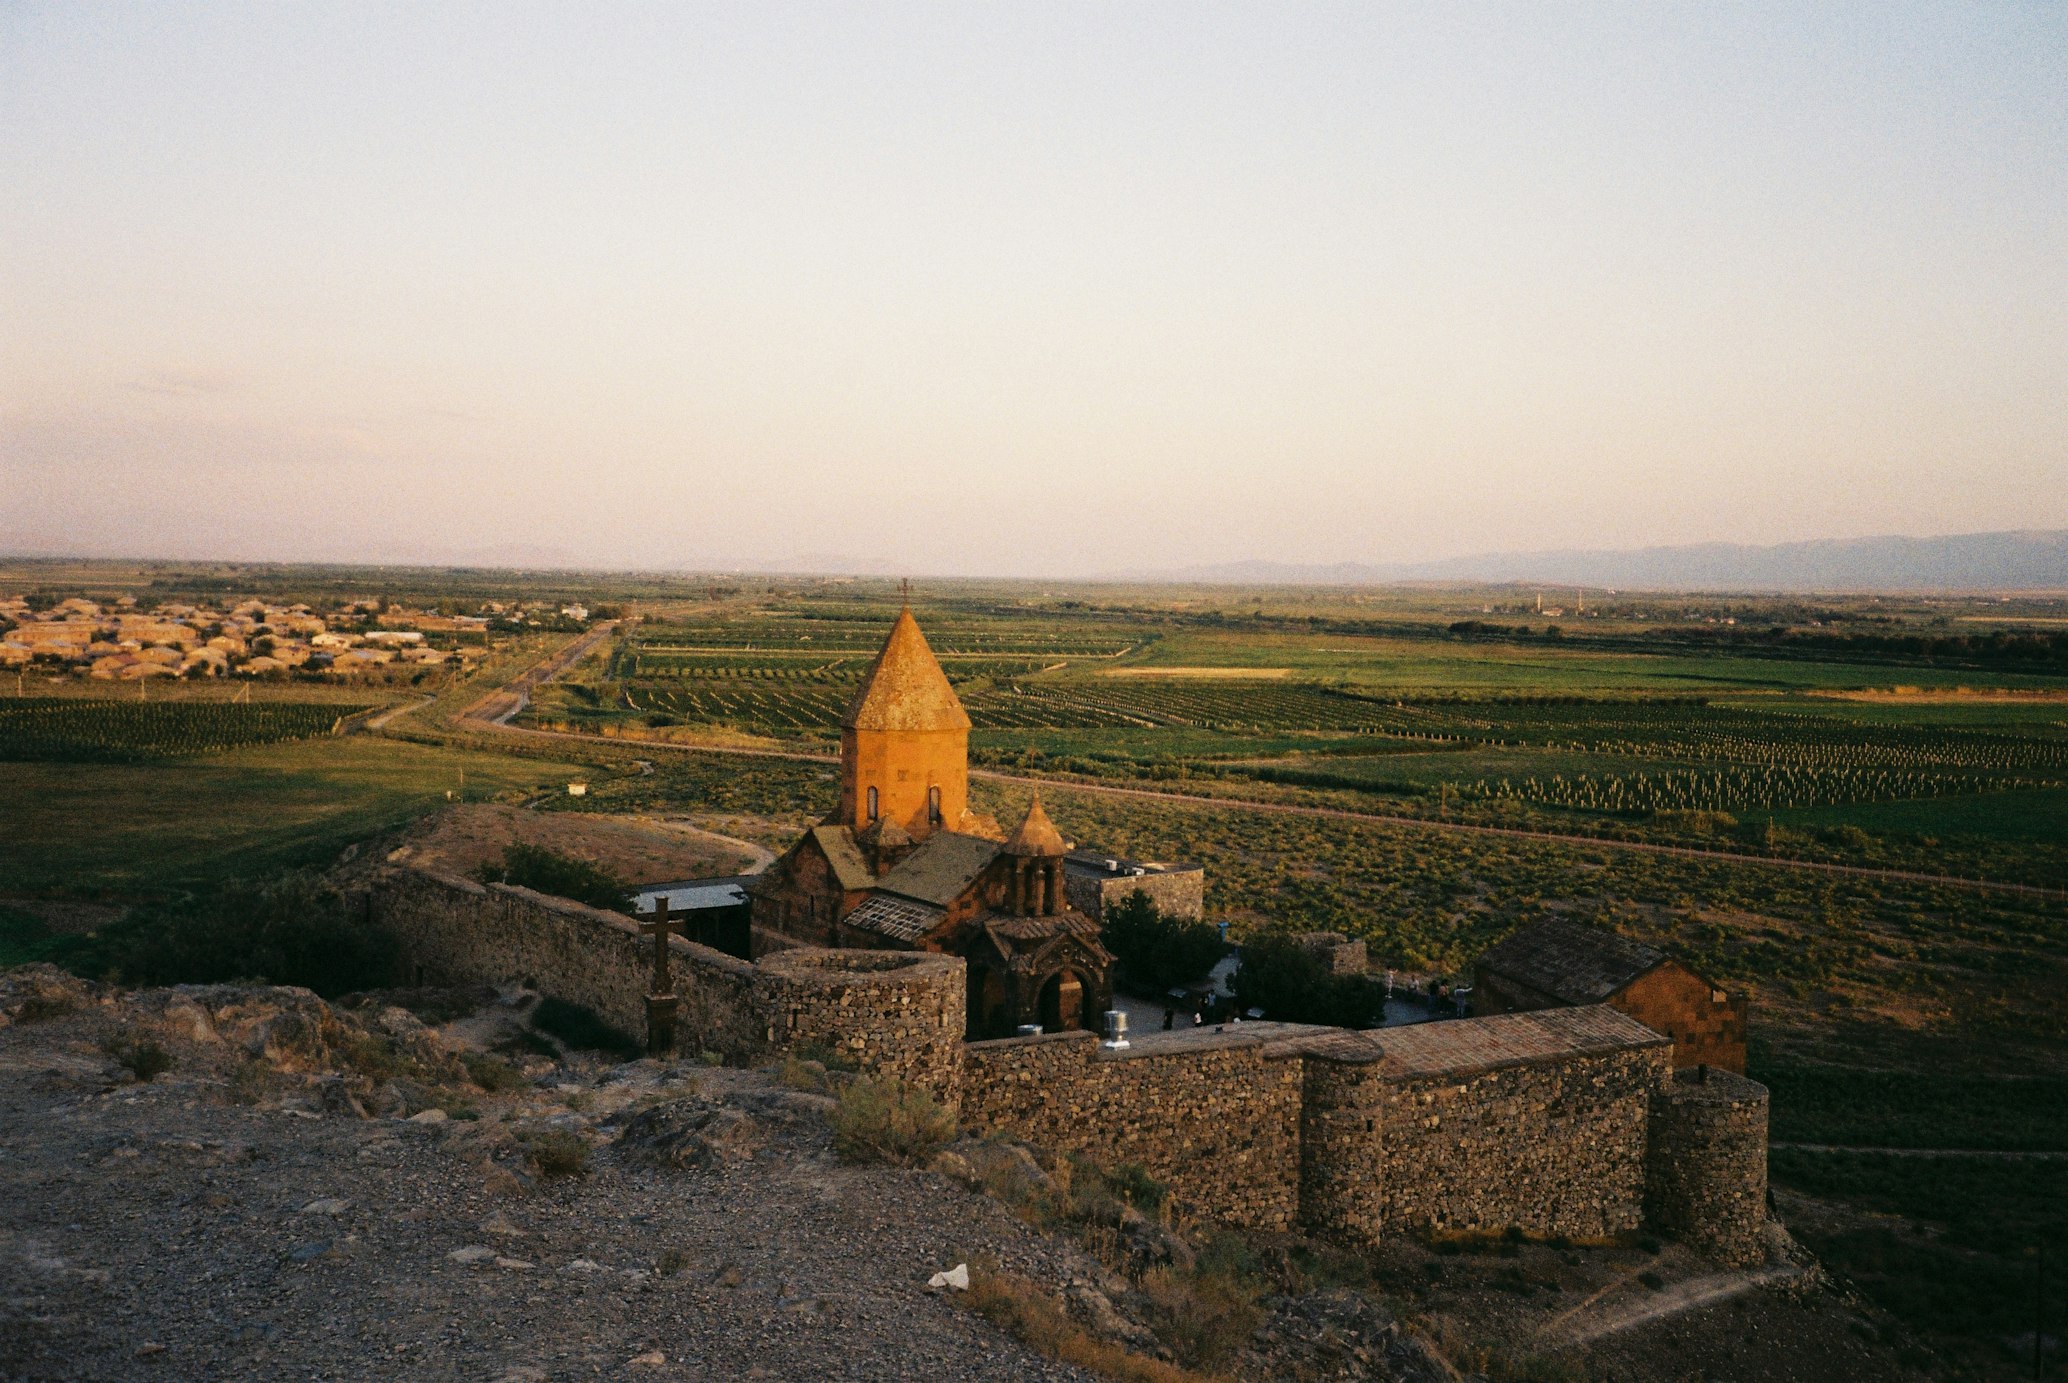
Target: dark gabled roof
{"points": [[941, 869], [1574, 964], [899, 918], [836, 843], [1013, 935]]}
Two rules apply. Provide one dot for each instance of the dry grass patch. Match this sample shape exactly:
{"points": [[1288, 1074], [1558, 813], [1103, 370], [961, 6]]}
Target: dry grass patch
{"points": [[889, 1121], [1037, 1321]]}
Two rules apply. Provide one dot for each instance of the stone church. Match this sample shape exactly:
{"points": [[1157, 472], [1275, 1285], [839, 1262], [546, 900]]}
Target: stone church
{"points": [[902, 862]]}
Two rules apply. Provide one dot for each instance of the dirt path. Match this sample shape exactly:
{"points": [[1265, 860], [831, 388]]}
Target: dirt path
{"points": [[384, 717], [1670, 1300], [497, 708], [2004, 1154]]}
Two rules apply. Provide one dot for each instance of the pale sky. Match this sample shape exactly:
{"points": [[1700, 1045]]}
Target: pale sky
{"points": [[1025, 289]]}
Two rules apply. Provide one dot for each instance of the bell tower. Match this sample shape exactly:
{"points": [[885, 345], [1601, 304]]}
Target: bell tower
{"points": [[904, 742]]}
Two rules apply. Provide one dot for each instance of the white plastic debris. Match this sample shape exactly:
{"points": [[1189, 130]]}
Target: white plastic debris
{"points": [[956, 1277]]}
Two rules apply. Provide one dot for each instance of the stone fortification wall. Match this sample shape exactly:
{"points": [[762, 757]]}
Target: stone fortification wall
{"points": [[1706, 1173], [1562, 1121], [1553, 1147], [1215, 1118], [895, 1013]]}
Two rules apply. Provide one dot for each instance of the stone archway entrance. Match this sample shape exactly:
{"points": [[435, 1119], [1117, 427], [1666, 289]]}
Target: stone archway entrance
{"points": [[1062, 1003]]}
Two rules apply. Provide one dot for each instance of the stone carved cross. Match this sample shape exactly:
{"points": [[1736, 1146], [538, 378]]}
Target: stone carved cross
{"points": [[663, 1001]]}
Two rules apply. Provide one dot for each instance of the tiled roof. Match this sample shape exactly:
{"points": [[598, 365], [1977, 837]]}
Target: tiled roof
{"points": [[1573, 963], [941, 869], [837, 844], [905, 688], [900, 918], [1466, 1045]]}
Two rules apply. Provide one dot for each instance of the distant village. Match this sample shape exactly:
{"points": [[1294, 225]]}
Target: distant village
{"points": [[125, 640]]}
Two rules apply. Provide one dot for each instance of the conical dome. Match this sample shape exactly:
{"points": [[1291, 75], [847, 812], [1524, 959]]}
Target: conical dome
{"points": [[1037, 835], [905, 688]]}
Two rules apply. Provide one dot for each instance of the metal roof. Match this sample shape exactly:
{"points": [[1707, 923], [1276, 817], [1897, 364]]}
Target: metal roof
{"points": [[693, 895], [899, 918]]}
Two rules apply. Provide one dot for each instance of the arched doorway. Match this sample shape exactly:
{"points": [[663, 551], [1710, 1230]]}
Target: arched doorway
{"points": [[1062, 1002]]}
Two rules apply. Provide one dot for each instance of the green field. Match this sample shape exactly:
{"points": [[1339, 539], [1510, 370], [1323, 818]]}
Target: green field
{"points": [[118, 831], [75, 730], [1887, 1013]]}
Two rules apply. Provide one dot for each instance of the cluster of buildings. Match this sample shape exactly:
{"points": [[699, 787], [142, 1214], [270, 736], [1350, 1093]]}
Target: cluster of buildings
{"points": [[121, 641]]}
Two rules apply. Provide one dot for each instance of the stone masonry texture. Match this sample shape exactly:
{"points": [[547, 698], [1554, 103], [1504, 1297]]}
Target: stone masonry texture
{"points": [[1559, 1121], [1705, 1180]]}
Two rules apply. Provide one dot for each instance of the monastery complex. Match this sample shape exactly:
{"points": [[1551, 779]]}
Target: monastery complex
{"points": [[1596, 1092]]}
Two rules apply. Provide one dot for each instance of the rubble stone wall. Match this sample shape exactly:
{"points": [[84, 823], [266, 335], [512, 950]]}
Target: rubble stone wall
{"points": [[1553, 1147], [1218, 1125], [893, 1013], [1179, 893], [1275, 1127], [1706, 1172], [889, 1012]]}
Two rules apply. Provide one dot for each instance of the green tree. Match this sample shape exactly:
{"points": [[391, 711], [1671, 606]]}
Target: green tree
{"points": [[1155, 951]]}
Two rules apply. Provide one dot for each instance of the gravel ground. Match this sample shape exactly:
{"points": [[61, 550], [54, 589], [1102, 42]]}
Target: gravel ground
{"points": [[168, 1230]]}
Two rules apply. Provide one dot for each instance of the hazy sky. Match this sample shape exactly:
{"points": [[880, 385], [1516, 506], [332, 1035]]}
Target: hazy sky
{"points": [[1039, 289]]}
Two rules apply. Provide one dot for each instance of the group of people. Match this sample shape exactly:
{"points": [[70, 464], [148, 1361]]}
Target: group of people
{"points": [[1210, 1009]]}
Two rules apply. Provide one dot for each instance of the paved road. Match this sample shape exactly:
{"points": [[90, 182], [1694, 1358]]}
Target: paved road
{"points": [[501, 706], [498, 707]]}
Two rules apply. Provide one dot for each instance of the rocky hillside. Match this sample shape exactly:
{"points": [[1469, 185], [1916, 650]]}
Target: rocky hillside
{"points": [[235, 1182]]}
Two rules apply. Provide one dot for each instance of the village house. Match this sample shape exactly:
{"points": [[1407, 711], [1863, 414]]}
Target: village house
{"points": [[1557, 963]]}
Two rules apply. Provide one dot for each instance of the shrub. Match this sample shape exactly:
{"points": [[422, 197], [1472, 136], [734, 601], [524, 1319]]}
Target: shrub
{"points": [[491, 1073], [558, 1153], [888, 1121], [1292, 984], [547, 871], [140, 1056], [582, 1028], [1206, 1317]]}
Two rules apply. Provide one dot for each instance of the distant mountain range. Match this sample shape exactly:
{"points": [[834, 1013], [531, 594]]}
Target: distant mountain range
{"points": [[2033, 560]]}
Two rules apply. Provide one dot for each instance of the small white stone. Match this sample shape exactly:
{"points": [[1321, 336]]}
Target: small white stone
{"points": [[428, 1116]]}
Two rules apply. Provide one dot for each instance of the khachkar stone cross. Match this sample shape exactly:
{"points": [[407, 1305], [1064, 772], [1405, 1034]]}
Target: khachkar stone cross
{"points": [[663, 1001]]}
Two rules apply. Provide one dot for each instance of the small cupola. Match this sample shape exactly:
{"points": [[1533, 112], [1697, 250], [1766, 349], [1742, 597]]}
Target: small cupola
{"points": [[1035, 885]]}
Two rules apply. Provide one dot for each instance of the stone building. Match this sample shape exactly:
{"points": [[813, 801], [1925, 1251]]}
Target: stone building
{"points": [[1557, 964], [903, 863], [1092, 881]]}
